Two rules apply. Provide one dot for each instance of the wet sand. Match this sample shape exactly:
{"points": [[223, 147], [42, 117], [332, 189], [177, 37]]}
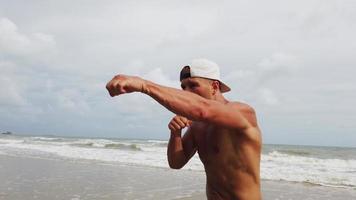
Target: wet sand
{"points": [[43, 179]]}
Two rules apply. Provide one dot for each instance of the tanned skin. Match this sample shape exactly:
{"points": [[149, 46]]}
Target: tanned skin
{"points": [[225, 134]]}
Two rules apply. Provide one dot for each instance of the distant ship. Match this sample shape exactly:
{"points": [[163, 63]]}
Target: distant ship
{"points": [[6, 133]]}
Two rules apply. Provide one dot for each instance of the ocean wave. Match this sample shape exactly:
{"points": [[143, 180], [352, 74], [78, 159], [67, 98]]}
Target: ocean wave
{"points": [[10, 141], [133, 147], [295, 152], [106, 144], [282, 164], [88, 144], [46, 139], [157, 143], [329, 172], [340, 185], [163, 144]]}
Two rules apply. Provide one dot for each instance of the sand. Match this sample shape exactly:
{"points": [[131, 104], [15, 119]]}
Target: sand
{"points": [[43, 179]]}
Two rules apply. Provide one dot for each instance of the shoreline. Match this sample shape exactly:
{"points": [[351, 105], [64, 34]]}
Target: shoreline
{"points": [[159, 139]]}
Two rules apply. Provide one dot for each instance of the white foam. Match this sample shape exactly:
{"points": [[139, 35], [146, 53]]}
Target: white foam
{"points": [[150, 155], [45, 138], [94, 142], [10, 141], [274, 166], [332, 172]]}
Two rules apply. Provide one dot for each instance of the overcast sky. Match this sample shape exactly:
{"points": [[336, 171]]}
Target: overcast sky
{"points": [[294, 62]]}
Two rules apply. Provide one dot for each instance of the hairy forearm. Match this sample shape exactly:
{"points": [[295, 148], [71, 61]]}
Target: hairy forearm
{"points": [[180, 102], [175, 152]]}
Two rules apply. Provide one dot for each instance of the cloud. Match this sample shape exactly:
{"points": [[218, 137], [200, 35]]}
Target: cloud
{"points": [[71, 100], [268, 97], [159, 77], [142, 105], [28, 47], [11, 86], [278, 62], [276, 66], [10, 94], [20, 56], [258, 83], [176, 24]]}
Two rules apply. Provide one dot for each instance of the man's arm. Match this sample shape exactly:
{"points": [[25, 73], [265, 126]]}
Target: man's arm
{"points": [[179, 149], [181, 102], [195, 107]]}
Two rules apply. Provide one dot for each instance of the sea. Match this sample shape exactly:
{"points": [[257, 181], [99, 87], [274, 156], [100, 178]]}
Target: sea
{"points": [[325, 166]]}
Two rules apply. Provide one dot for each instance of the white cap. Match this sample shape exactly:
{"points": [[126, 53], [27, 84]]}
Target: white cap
{"points": [[204, 68]]}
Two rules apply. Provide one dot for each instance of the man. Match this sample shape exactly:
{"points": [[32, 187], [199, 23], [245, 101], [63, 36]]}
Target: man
{"points": [[225, 134]]}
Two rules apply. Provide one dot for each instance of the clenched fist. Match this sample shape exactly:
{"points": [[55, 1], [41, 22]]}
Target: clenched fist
{"points": [[122, 84], [178, 123]]}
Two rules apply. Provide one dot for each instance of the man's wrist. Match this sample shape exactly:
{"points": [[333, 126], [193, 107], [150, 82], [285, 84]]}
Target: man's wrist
{"points": [[144, 86], [176, 134]]}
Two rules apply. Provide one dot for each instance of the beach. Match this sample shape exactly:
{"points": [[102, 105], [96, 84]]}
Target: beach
{"points": [[30, 171], [43, 179]]}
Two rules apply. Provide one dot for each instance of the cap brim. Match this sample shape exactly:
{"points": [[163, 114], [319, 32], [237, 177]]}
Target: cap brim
{"points": [[224, 87]]}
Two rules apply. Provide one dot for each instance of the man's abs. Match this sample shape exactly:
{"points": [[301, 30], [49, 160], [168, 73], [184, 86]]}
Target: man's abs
{"points": [[231, 163]]}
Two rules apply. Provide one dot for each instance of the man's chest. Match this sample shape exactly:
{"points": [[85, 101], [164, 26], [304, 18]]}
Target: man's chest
{"points": [[214, 142]]}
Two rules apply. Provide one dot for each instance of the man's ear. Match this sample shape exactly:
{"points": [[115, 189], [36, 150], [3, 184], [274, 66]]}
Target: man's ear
{"points": [[216, 86]]}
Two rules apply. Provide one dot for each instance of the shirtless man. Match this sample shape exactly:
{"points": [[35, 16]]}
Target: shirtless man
{"points": [[225, 134]]}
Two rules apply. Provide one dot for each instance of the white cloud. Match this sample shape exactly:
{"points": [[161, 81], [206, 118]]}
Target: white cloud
{"points": [[13, 43], [278, 65], [258, 83], [268, 97], [159, 77], [10, 39], [278, 62], [71, 100], [177, 24], [10, 94], [143, 105], [11, 86]]}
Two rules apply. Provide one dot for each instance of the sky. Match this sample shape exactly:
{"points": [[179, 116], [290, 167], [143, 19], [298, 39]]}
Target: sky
{"points": [[293, 61]]}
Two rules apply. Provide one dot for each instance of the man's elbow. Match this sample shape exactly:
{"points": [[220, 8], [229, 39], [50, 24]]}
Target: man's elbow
{"points": [[202, 114], [175, 165]]}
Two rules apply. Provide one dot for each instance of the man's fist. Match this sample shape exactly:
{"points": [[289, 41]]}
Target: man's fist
{"points": [[178, 123], [122, 84]]}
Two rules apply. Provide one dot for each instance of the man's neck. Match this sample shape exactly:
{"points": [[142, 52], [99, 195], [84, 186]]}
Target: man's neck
{"points": [[220, 98]]}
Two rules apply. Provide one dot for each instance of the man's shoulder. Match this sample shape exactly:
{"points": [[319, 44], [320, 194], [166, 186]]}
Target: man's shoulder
{"points": [[249, 113], [246, 110], [242, 107]]}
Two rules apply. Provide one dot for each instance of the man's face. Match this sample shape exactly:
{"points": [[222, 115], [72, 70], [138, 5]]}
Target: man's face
{"points": [[199, 86]]}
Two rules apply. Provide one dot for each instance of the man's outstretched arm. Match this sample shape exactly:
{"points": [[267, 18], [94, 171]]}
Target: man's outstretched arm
{"points": [[187, 104]]}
